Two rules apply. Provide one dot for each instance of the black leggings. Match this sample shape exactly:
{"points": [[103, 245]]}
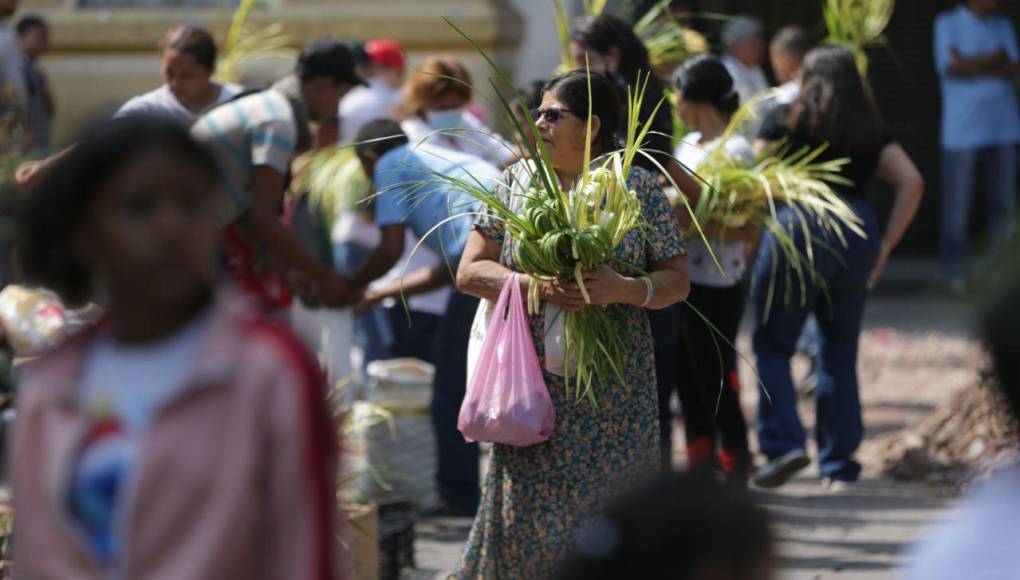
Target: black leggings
{"points": [[712, 363], [669, 333]]}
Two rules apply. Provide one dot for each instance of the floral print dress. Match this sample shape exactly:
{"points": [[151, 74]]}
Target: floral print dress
{"points": [[536, 498]]}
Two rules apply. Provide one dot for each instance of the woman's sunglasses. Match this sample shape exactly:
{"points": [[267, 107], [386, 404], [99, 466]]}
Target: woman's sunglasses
{"points": [[552, 115]]}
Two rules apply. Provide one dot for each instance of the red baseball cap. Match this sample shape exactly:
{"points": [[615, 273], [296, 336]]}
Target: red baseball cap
{"points": [[385, 52]]}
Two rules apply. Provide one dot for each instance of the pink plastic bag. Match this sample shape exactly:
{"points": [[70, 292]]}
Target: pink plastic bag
{"points": [[507, 401]]}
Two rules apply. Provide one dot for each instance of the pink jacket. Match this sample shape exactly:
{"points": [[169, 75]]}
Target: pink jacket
{"points": [[236, 479]]}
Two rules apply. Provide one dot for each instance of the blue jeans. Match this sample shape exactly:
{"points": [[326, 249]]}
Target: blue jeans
{"points": [[959, 172], [839, 309], [458, 460]]}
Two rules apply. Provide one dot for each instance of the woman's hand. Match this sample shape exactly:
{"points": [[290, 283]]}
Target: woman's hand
{"points": [[607, 286], [565, 295]]}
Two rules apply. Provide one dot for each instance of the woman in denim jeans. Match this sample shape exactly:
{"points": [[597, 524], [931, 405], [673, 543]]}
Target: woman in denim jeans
{"points": [[835, 108]]}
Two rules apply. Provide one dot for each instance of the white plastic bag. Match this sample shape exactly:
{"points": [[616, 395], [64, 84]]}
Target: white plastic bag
{"points": [[479, 328]]}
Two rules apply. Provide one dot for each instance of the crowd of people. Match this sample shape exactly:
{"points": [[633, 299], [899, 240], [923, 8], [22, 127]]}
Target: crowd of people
{"points": [[187, 434]]}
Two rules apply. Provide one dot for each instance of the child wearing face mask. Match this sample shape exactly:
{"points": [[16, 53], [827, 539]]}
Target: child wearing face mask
{"points": [[438, 110]]}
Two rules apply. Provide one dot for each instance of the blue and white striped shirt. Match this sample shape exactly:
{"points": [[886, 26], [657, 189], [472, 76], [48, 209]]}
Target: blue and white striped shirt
{"points": [[257, 130]]}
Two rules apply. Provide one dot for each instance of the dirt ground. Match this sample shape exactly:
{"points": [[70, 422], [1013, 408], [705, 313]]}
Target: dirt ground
{"points": [[917, 350]]}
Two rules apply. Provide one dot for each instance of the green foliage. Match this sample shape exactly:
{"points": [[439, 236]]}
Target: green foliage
{"points": [[245, 43], [858, 25]]}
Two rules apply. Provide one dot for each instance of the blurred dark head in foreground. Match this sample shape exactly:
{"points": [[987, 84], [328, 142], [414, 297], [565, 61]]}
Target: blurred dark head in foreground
{"points": [[1002, 319], [128, 214], [682, 528]]}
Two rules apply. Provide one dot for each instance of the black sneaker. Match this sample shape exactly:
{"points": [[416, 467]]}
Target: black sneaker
{"points": [[779, 470]]}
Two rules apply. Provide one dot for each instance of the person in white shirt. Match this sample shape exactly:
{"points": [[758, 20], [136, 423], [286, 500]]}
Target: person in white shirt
{"points": [[187, 63], [381, 97], [706, 100], [979, 539], [437, 99], [744, 40]]}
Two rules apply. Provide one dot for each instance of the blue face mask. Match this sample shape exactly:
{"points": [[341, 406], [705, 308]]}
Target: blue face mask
{"points": [[448, 119]]}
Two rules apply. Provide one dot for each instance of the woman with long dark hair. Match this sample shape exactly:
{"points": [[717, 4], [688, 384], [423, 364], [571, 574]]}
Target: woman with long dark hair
{"points": [[835, 107], [536, 498], [608, 45]]}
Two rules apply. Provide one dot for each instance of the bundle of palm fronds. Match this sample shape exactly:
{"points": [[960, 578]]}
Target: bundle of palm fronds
{"points": [[333, 179], [857, 25], [741, 194], [245, 43], [668, 42]]}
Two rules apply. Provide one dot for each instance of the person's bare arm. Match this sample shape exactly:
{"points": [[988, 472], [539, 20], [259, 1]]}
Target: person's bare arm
{"points": [[480, 274], [383, 257], [690, 189], [263, 219], [411, 284], [29, 172], [896, 168]]}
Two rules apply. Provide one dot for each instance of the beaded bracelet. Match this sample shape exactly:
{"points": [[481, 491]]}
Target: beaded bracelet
{"points": [[649, 291]]}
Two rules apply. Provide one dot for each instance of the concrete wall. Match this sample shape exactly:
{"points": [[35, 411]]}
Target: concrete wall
{"points": [[103, 57]]}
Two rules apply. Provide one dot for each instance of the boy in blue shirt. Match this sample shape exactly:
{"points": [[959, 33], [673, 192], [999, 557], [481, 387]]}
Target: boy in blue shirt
{"points": [[411, 194]]}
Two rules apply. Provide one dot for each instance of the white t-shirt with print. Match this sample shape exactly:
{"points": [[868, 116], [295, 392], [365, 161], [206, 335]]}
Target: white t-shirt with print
{"points": [[731, 257], [122, 390]]}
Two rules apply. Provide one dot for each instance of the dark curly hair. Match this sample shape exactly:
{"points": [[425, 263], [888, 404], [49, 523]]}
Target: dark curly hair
{"points": [[64, 196], [704, 79], [677, 526]]}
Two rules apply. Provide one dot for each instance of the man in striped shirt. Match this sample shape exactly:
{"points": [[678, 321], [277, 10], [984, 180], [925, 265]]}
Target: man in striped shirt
{"points": [[254, 138]]}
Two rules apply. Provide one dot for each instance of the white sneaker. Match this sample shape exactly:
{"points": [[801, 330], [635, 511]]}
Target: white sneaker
{"points": [[834, 485]]}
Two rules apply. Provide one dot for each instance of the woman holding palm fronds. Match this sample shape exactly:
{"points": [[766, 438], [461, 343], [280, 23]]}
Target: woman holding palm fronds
{"points": [[706, 100], [536, 498]]}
